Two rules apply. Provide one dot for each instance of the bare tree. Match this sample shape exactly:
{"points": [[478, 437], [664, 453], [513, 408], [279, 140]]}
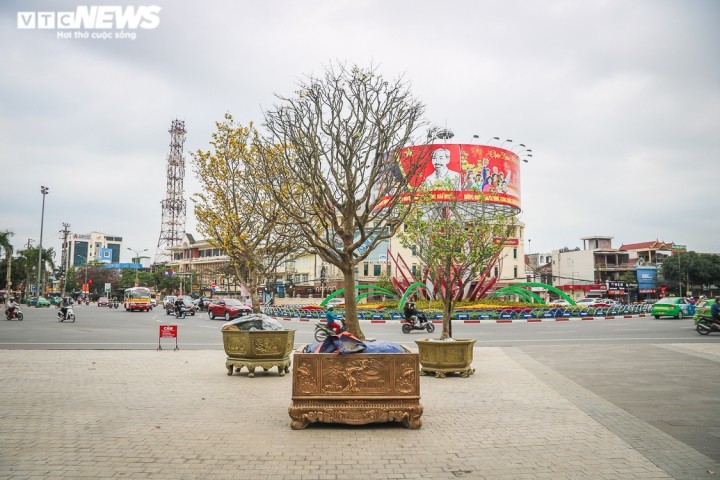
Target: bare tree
{"points": [[333, 164], [235, 214]]}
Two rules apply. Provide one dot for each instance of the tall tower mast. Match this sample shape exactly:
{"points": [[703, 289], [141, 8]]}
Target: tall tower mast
{"points": [[174, 205]]}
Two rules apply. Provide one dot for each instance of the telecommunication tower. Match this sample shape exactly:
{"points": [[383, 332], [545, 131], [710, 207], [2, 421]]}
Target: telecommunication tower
{"points": [[174, 205]]}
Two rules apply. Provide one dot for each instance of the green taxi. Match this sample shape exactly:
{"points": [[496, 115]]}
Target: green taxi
{"points": [[41, 302], [677, 307]]}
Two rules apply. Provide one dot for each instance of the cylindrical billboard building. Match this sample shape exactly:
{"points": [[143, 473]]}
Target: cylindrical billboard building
{"points": [[479, 174]]}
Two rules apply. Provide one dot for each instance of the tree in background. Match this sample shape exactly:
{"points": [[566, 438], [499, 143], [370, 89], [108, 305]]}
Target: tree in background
{"points": [[30, 259], [455, 247], [691, 268], [330, 163], [7, 247], [235, 214]]}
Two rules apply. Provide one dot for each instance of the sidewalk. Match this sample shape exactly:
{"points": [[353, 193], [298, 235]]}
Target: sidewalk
{"points": [[177, 415]]}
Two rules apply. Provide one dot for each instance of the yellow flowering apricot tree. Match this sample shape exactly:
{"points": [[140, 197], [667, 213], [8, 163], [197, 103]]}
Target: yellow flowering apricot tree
{"points": [[235, 213]]}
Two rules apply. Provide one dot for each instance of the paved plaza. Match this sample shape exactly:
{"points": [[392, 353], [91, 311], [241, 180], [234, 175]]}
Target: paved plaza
{"points": [[178, 415]]}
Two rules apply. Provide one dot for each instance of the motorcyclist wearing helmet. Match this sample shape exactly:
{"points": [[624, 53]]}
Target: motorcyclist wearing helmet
{"points": [[179, 304], [411, 313], [11, 307], [715, 309], [64, 305], [331, 319]]}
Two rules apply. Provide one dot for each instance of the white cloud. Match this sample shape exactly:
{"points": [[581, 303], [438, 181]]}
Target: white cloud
{"points": [[620, 102]]}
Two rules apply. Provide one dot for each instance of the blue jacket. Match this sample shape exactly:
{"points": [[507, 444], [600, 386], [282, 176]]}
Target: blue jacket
{"points": [[715, 310], [330, 317]]}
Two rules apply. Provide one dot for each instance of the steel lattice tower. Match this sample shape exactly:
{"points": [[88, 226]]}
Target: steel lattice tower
{"points": [[174, 205]]}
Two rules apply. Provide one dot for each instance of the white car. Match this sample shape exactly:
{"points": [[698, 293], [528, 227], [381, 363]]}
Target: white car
{"points": [[593, 302], [560, 302], [335, 302]]}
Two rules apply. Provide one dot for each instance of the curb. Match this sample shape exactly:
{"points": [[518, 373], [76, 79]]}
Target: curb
{"points": [[498, 320]]}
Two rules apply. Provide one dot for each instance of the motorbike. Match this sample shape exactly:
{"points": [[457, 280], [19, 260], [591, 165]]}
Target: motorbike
{"points": [[417, 322], [180, 312], [69, 314], [322, 331], [16, 313], [87, 301], [113, 304], [705, 325]]}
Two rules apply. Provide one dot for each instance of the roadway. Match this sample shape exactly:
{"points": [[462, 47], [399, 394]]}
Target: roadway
{"points": [[104, 328]]}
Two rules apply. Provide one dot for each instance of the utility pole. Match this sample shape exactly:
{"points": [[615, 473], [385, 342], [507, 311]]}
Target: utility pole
{"points": [[8, 280], [27, 279], [65, 232]]}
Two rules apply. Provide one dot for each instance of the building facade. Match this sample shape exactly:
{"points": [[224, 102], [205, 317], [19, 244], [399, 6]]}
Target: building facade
{"points": [[94, 246]]}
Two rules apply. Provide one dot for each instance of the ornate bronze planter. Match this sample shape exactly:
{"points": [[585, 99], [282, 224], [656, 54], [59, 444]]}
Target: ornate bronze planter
{"points": [[356, 389], [259, 348], [444, 357]]}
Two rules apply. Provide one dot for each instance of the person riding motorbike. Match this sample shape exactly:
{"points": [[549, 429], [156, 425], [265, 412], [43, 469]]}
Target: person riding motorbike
{"points": [[11, 307], [66, 302], [332, 320], [715, 310], [412, 315], [179, 303]]}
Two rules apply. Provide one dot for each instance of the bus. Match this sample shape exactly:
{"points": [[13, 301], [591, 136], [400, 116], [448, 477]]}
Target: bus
{"points": [[137, 298]]}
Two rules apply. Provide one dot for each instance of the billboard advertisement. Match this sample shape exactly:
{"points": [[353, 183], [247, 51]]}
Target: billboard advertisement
{"points": [[647, 278], [466, 173], [105, 255]]}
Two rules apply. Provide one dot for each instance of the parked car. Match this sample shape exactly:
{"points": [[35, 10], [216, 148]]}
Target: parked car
{"points": [[677, 307], [228, 308], [702, 308], [42, 302], [559, 302], [336, 302], [593, 302], [190, 307], [103, 302]]}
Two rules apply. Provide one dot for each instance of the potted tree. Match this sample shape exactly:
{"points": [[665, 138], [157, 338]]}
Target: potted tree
{"points": [[457, 243], [331, 165]]}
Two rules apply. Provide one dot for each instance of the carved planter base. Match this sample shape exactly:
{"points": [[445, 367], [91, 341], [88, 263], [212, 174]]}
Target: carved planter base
{"points": [[356, 389], [258, 348], [442, 358]]}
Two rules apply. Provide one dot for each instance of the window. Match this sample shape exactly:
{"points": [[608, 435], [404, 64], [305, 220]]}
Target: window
{"points": [[365, 269], [413, 251], [414, 269], [515, 272], [514, 252], [305, 278], [495, 273], [377, 268]]}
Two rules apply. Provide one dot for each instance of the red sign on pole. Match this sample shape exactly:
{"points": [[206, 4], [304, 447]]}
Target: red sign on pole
{"points": [[168, 331]]}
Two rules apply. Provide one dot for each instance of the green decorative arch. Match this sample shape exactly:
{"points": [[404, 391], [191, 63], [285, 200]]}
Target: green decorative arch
{"points": [[409, 291], [377, 290], [372, 288], [520, 292], [560, 293]]}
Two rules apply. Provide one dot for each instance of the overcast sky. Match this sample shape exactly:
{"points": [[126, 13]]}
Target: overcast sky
{"points": [[619, 101]]}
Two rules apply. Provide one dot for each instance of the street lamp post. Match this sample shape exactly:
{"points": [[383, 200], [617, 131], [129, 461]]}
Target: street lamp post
{"points": [[44, 190], [137, 257]]}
